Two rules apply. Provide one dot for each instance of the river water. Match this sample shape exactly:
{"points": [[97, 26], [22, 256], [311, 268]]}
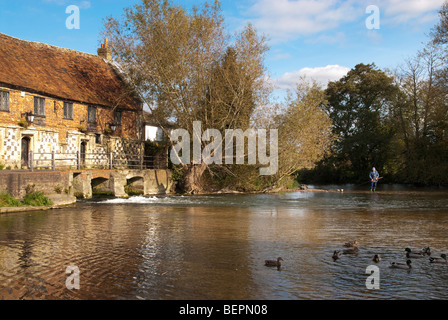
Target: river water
{"points": [[214, 247]]}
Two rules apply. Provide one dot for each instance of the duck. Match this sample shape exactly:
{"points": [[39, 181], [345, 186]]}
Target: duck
{"points": [[376, 258], [400, 265], [351, 244], [410, 254], [273, 263], [336, 255], [353, 250], [427, 251], [441, 259]]}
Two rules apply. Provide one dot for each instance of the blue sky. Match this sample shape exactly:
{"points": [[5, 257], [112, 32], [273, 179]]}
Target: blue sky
{"points": [[321, 39]]}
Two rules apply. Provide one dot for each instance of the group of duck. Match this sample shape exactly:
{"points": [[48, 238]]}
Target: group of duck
{"points": [[351, 247]]}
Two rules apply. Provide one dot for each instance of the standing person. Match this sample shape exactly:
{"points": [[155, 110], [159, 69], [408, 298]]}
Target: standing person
{"points": [[374, 177]]}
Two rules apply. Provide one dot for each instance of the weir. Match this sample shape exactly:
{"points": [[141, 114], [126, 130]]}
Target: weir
{"points": [[114, 182], [84, 183]]}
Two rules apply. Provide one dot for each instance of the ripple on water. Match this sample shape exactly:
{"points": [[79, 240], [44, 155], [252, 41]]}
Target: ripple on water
{"points": [[215, 247]]}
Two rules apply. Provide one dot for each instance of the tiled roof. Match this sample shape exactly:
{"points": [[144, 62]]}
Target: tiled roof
{"points": [[63, 73]]}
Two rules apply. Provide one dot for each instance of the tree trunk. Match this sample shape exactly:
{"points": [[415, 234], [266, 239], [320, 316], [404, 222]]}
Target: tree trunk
{"points": [[191, 182]]}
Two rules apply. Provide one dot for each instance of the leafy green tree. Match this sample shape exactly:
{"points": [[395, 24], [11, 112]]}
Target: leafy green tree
{"points": [[359, 105]]}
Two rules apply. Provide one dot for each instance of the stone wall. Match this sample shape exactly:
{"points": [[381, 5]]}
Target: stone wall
{"points": [[17, 183], [21, 102], [53, 133]]}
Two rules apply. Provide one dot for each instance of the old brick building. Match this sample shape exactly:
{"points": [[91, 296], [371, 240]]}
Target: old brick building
{"points": [[55, 100]]}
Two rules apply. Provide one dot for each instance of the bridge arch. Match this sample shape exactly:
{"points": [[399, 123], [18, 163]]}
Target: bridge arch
{"points": [[135, 185], [101, 185]]}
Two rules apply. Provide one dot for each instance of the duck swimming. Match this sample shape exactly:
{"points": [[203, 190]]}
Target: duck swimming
{"points": [[376, 258], [273, 263], [351, 244], [442, 259], [410, 254], [399, 265], [353, 250], [336, 255]]}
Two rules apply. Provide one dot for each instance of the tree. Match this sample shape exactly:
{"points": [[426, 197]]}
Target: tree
{"points": [[439, 33], [422, 114], [230, 101], [305, 130], [397, 124], [187, 68], [304, 137], [359, 105]]}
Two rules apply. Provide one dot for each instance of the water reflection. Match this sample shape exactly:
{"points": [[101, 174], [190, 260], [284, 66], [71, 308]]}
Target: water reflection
{"points": [[214, 247]]}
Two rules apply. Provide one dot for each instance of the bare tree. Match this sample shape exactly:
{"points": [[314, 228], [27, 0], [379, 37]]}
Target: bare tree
{"points": [[421, 109]]}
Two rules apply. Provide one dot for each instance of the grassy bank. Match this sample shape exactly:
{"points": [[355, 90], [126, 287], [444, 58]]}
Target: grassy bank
{"points": [[34, 199]]}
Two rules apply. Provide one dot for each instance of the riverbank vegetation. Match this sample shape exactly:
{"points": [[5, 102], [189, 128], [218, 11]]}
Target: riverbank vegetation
{"points": [[187, 67], [33, 199]]}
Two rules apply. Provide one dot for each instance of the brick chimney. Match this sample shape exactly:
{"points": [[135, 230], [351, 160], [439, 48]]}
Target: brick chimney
{"points": [[105, 52]]}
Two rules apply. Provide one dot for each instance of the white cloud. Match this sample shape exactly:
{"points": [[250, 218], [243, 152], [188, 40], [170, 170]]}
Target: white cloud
{"points": [[85, 5], [285, 20], [321, 75], [405, 10]]}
